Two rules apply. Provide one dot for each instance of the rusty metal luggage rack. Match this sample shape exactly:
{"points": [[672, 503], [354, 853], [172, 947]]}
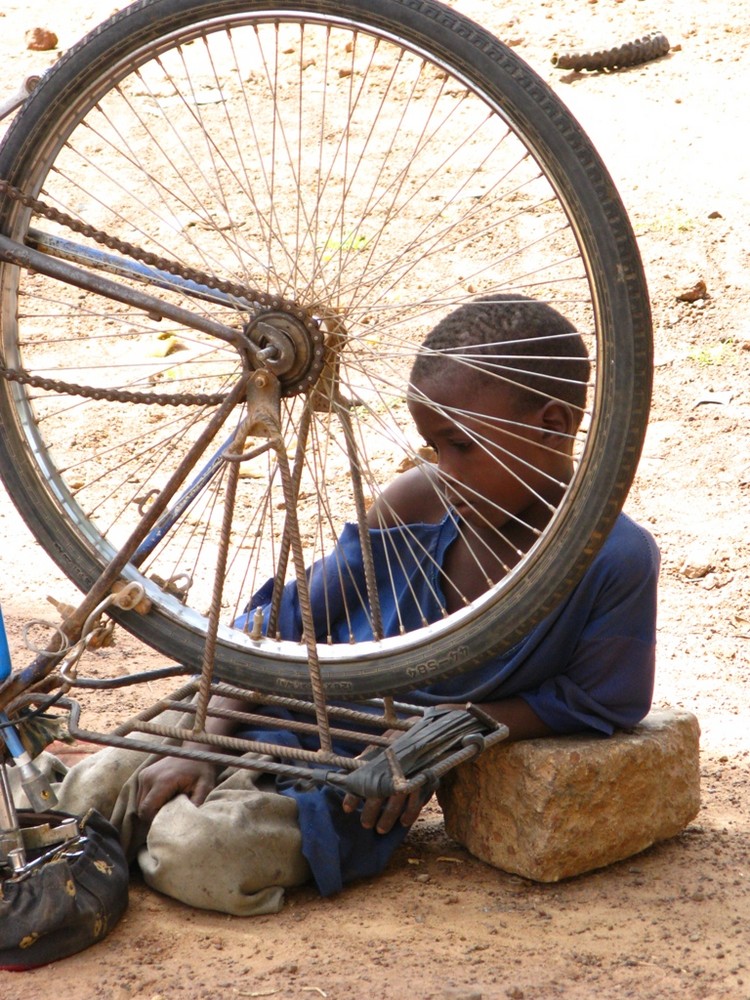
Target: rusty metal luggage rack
{"points": [[409, 747], [381, 735], [403, 748]]}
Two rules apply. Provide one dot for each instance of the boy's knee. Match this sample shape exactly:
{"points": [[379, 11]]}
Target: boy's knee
{"points": [[235, 853], [97, 782]]}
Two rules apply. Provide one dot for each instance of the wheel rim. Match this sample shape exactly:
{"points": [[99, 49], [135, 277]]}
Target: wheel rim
{"points": [[373, 299]]}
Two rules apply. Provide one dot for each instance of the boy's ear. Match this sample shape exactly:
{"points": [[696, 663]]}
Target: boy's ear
{"points": [[556, 420]]}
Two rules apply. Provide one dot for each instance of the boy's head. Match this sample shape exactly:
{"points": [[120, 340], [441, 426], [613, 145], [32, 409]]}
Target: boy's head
{"points": [[522, 348], [498, 390]]}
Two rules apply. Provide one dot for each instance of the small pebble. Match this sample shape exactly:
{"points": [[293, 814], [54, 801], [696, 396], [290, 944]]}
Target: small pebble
{"points": [[41, 40]]}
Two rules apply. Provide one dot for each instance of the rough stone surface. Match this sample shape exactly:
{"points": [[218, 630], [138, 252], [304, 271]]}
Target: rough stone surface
{"points": [[553, 808]]}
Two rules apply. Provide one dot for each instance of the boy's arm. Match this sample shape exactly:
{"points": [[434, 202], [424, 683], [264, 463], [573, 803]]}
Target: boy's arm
{"points": [[522, 721]]}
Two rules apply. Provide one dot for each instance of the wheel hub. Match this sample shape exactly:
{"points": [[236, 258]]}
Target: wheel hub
{"points": [[291, 346]]}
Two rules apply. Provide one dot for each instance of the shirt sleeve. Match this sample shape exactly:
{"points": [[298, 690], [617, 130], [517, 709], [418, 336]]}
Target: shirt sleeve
{"points": [[608, 681]]}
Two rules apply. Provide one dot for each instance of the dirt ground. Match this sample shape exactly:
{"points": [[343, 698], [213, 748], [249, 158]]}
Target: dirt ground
{"points": [[671, 922]]}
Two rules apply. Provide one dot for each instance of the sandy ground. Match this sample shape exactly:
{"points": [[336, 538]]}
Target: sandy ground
{"points": [[671, 922]]}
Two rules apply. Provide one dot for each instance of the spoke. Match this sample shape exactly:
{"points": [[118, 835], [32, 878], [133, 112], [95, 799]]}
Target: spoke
{"points": [[97, 259], [14, 253]]}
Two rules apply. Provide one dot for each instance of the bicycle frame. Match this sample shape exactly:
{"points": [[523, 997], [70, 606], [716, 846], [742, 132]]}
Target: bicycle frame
{"points": [[437, 138]]}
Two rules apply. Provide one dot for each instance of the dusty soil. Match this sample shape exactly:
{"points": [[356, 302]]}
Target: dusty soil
{"points": [[671, 922]]}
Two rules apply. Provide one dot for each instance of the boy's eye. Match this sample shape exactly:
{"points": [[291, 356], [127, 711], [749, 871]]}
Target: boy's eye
{"points": [[461, 445]]}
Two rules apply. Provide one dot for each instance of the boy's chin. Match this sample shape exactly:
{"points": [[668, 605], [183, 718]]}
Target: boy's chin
{"points": [[480, 520]]}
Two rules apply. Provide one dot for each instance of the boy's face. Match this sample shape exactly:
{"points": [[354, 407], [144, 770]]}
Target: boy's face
{"points": [[496, 457]]}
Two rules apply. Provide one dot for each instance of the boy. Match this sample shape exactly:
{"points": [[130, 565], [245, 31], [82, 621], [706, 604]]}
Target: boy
{"points": [[497, 391]]}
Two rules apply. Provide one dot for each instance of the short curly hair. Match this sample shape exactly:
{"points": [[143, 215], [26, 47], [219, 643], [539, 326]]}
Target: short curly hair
{"points": [[512, 342]]}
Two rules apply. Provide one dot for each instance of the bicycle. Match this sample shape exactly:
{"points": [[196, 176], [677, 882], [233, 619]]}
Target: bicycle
{"points": [[249, 213]]}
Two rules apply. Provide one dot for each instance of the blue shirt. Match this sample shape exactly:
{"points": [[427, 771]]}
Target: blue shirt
{"points": [[588, 666]]}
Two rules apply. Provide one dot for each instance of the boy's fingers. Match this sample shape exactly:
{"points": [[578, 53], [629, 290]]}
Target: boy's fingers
{"points": [[370, 813], [151, 798], [394, 807], [414, 805], [351, 802], [200, 792], [382, 814]]}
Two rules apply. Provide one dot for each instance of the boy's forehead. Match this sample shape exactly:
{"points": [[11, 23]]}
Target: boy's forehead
{"points": [[459, 391]]}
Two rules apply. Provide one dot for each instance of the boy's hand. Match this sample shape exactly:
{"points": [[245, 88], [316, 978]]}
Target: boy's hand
{"points": [[382, 814], [171, 776]]}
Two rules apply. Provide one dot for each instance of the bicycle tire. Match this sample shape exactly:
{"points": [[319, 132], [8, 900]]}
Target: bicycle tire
{"points": [[582, 194]]}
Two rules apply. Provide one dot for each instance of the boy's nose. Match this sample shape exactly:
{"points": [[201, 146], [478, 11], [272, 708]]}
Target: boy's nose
{"points": [[444, 466], [449, 474]]}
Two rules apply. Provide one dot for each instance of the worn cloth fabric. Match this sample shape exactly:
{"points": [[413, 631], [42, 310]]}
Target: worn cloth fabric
{"points": [[235, 853]]}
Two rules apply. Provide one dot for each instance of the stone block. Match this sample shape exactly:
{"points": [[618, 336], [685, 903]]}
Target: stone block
{"points": [[552, 808]]}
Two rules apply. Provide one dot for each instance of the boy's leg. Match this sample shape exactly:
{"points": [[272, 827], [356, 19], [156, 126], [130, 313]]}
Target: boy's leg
{"points": [[108, 782], [104, 781], [235, 853]]}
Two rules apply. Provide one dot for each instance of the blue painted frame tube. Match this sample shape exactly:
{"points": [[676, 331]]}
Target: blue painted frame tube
{"points": [[7, 733], [174, 513], [5, 665]]}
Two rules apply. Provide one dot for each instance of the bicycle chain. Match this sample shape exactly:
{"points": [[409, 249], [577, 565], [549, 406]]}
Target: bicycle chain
{"points": [[23, 377], [151, 260]]}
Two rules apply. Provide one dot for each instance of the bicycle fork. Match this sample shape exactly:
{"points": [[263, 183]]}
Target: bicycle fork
{"points": [[33, 782]]}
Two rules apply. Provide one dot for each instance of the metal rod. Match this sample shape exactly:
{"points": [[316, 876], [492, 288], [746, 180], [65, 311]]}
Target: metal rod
{"points": [[186, 498], [11, 836], [77, 253], [214, 612], [46, 661], [23, 256]]}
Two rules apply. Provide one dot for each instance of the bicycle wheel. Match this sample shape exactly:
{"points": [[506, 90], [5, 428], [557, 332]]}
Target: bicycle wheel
{"points": [[322, 181]]}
